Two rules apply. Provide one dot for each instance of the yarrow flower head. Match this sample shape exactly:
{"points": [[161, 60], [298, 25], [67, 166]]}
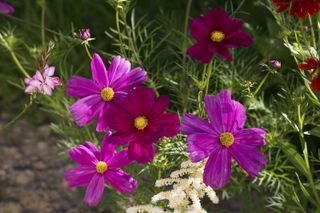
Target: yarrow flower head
{"points": [[301, 8], [141, 120], [42, 82], [215, 33], [97, 168], [106, 87], [5, 8], [223, 138]]}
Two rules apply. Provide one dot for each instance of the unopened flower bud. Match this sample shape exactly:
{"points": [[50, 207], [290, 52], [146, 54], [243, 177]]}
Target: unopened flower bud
{"points": [[275, 64], [84, 34]]}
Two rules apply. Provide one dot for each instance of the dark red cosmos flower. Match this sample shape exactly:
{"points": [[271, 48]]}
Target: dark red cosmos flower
{"points": [[215, 33], [141, 120], [315, 84], [302, 8], [310, 64]]}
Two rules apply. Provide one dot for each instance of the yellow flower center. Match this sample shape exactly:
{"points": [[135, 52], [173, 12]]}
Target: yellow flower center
{"points": [[140, 122], [226, 139], [101, 167], [107, 94], [217, 36]]}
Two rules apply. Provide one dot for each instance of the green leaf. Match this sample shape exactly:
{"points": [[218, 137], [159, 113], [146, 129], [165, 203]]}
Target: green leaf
{"points": [[294, 157], [315, 132]]}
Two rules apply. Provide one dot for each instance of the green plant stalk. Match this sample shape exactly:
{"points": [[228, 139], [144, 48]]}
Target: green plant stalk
{"points": [[118, 29], [312, 32], [87, 50], [261, 84], [43, 32], [16, 61], [209, 73], [186, 21], [306, 155]]}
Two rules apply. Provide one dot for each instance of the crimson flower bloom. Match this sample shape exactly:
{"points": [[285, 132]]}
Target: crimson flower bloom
{"points": [[5, 8], [141, 120], [302, 8], [310, 64], [315, 84], [107, 85], [215, 33], [223, 138], [99, 167]]}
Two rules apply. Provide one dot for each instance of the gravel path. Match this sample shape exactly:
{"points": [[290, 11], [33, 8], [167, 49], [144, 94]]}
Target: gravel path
{"points": [[31, 172]]}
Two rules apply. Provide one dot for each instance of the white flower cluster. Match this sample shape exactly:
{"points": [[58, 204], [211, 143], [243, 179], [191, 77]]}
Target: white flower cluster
{"points": [[188, 189]]}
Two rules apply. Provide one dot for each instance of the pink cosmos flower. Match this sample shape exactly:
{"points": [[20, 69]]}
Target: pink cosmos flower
{"points": [[141, 120], [223, 138], [97, 168], [5, 8], [215, 33], [107, 86], [42, 82]]}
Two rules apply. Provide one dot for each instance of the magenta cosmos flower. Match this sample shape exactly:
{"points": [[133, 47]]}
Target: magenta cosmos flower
{"points": [[223, 138], [215, 33], [97, 168], [42, 82], [5, 8], [107, 85], [141, 120]]}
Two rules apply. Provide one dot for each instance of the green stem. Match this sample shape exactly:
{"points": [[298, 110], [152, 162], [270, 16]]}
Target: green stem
{"points": [[43, 32], [186, 21], [87, 51], [261, 84], [208, 76], [16, 61], [119, 32], [312, 32]]}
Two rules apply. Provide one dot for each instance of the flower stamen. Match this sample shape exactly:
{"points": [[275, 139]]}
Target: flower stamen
{"points": [[140, 122], [107, 94], [101, 167], [217, 36], [226, 139]]}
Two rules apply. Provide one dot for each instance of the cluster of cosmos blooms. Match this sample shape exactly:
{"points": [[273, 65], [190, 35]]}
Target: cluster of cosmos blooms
{"points": [[133, 118]]}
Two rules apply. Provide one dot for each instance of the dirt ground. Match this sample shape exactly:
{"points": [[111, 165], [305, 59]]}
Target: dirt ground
{"points": [[31, 171]]}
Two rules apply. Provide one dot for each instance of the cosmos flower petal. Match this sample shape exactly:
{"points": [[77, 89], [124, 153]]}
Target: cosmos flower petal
{"points": [[86, 109], [199, 29], [81, 87], [118, 118], [315, 84], [135, 77], [251, 136], [217, 19], [99, 71], [107, 149], [79, 176], [248, 157], [94, 190], [201, 145], [218, 169], [122, 138], [93, 148], [170, 124], [83, 156], [120, 180], [118, 67], [200, 52], [225, 114], [119, 160], [238, 39], [159, 106], [191, 124], [224, 53], [102, 124], [141, 152], [6, 8]]}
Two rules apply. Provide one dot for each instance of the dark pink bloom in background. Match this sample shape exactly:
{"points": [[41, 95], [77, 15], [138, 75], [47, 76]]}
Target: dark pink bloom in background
{"points": [[84, 34], [97, 168], [107, 85], [5, 8], [42, 82], [215, 33], [141, 120], [223, 138]]}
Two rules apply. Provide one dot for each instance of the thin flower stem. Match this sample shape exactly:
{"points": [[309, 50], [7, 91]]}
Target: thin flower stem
{"points": [[312, 32], [118, 29], [186, 21], [43, 32], [16, 61], [87, 50], [261, 84], [209, 73]]}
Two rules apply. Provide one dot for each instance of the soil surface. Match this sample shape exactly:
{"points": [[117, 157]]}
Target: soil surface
{"points": [[31, 171]]}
